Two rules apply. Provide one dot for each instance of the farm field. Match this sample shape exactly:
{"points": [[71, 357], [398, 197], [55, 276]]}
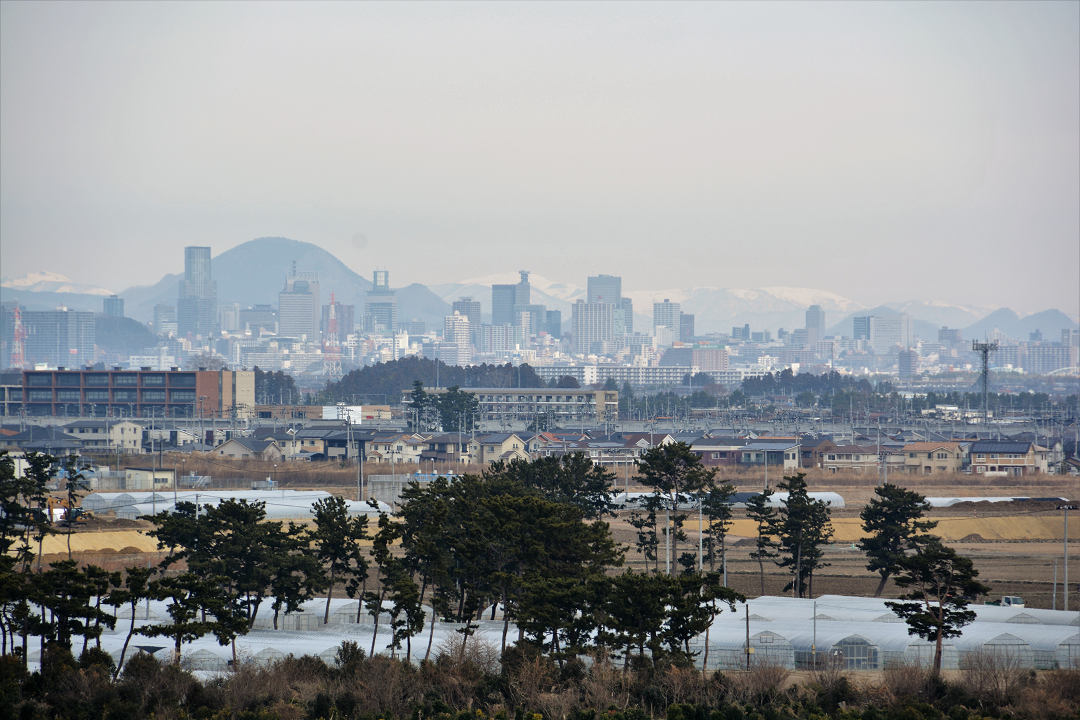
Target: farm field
{"points": [[1013, 545]]}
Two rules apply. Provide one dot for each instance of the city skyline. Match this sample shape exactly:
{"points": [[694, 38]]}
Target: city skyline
{"points": [[697, 145]]}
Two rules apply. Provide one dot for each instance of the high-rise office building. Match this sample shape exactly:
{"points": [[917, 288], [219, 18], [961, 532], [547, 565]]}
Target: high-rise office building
{"points": [[553, 323], [815, 324], [686, 327], [299, 307], [257, 318], [523, 291], [59, 338], [502, 304], [196, 307], [593, 327], [860, 327], [907, 364], [604, 289], [457, 340], [113, 306], [469, 308], [344, 320], [608, 289], [883, 332], [380, 307], [165, 319], [509, 301], [624, 317], [668, 314]]}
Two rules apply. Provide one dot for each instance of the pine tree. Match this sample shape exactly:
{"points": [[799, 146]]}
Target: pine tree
{"points": [[803, 529], [893, 524], [941, 584], [764, 516]]}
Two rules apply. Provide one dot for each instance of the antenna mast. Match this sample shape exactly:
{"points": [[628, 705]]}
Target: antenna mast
{"points": [[984, 349], [18, 353]]}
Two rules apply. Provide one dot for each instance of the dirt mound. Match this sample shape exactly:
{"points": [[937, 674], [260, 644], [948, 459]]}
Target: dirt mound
{"points": [[973, 538]]}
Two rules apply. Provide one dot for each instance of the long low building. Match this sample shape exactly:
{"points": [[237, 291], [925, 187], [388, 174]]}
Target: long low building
{"points": [[559, 405], [137, 393]]}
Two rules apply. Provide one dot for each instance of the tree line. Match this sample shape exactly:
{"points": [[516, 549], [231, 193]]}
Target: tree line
{"points": [[527, 539]]}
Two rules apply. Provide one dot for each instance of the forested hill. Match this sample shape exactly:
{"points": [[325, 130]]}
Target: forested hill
{"points": [[389, 379]]}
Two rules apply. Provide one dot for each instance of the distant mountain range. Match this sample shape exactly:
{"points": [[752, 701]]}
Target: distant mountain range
{"points": [[255, 271]]}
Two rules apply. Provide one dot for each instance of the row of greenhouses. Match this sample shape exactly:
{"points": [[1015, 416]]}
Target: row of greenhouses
{"points": [[844, 632], [864, 634], [280, 504]]}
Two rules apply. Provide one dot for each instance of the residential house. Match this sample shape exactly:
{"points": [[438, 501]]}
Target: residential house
{"points": [[811, 449], [858, 459], [718, 452], [450, 448], [993, 457], [107, 435], [395, 447], [782, 455], [250, 449], [501, 446], [136, 478], [34, 438], [331, 442], [924, 458]]}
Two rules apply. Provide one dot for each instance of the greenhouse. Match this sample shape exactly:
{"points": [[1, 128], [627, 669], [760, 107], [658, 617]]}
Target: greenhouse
{"points": [[864, 634], [851, 633], [729, 651], [277, 504]]}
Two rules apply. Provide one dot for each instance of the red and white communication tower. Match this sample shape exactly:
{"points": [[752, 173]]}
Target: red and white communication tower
{"points": [[18, 354], [331, 346]]}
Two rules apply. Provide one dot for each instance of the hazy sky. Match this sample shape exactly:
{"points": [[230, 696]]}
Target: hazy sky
{"points": [[883, 151]]}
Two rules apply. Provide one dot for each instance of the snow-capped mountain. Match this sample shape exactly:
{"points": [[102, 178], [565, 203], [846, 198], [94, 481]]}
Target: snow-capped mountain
{"points": [[45, 281]]}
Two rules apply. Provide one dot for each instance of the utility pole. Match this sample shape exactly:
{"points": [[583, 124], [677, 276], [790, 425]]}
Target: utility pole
{"points": [[1053, 589], [749, 650]]}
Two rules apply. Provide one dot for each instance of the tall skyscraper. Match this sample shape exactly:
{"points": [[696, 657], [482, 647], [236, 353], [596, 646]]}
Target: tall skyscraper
{"points": [[593, 327], [469, 308], [686, 327], [344, 319], [113, 306], [457, 337], [860, 327], [907, 364], [508, 302], [668, 314], [523, 291], [883, 332], [815, 324], [299, 309], [502, 304], [608, 289], [61, 338], [624, 317], [196, 307], [165, 319], [553, 323], [604, 288], [380, 308]]}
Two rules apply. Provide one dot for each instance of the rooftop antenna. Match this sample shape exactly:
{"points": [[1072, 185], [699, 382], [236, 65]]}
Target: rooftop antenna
{"points": [[984, 349]]}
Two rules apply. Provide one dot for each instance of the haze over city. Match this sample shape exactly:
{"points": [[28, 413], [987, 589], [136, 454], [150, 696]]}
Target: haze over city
{"points": [[881, 151]]}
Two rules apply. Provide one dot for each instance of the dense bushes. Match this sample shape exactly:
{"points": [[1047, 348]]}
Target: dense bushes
{"points": [[526, 685]]}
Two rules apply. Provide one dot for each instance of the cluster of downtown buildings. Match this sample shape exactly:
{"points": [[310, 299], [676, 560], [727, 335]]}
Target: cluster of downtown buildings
{"points": [[316, 338]]}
